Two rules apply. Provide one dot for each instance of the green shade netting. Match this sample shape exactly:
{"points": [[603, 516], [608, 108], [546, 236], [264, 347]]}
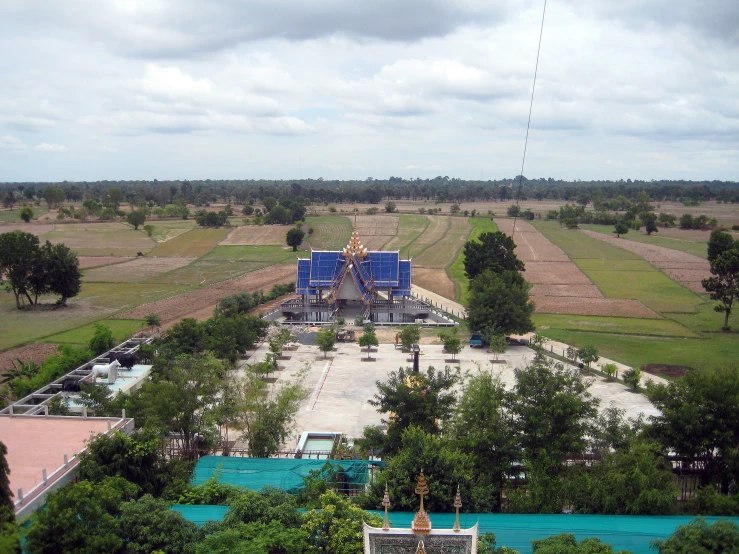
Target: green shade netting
{"points": [[284, 473], [201, 514]]}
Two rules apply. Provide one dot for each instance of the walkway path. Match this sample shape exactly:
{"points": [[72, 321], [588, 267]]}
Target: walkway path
{"points": [[449, 306]]}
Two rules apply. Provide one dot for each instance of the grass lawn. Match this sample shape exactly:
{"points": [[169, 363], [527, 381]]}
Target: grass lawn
{"points": [[691, 246], [195, 242], [122, 329], [690, 335], [329, 232], [456, 270], [14, 215]]}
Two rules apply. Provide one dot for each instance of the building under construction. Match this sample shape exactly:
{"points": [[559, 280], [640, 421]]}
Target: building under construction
{"points": [[356, 282]]}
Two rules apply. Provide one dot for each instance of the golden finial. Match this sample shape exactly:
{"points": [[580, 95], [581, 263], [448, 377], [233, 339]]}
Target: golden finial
{"points": [[421, 549], [421, 523], [457, 506], [386, 503]]}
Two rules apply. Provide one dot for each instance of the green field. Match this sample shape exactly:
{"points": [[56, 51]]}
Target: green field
{"points": [[167, 229], [13, 216], [691, 246], [122, 329], [456, 270], [689, 335], [329, 232], [195, 242], [100, 239], [410, 229]]}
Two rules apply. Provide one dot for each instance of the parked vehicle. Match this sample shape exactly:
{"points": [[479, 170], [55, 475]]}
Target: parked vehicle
{"points": [[476, 340]]}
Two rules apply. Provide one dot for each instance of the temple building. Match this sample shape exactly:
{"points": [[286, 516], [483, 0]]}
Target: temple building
{"points": [[356, 282], [421, 538]]}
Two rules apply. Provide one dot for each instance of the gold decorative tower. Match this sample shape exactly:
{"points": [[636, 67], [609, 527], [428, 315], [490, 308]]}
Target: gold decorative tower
{"points": [[421, 523], [457, 506], [386, 503], [421, 549], [355, 246]]}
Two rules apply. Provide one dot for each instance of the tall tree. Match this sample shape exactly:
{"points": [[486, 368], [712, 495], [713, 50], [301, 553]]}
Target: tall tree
{"points": [[492, 251], [136, 218], [63, 268], [294, 238], [724, 285], [19, 256], [9, 541], [499, 303], [718, 243]]}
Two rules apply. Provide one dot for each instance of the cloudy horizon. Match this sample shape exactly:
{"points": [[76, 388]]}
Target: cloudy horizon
{"points": [[348, 90]]}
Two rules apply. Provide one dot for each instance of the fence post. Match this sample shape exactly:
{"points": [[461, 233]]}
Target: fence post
{"points": [[43, 476], [66, 461]]}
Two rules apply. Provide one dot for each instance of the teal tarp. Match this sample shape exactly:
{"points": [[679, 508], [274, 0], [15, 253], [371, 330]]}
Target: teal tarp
{"points": [[633, 533], [201, 514], [283, 473]]}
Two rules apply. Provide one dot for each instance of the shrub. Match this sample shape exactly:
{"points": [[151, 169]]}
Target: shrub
{"points": [[102, 340], [611, 371], [372, 211], [632, 377]]}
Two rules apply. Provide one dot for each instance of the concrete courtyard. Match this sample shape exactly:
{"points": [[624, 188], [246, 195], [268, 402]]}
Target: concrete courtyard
{"points": [[341, 383]]}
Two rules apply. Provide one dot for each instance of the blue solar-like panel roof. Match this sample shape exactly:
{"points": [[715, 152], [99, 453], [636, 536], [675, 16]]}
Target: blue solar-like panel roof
{"points": [[384, 268], [301, 285], [404, 285], [324, 267]]}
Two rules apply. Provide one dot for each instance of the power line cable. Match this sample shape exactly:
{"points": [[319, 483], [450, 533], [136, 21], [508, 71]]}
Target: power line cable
{"points": [[528, 125]]}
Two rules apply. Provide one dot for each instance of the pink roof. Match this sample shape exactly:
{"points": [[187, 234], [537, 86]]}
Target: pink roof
{"points": [[36, 443]]}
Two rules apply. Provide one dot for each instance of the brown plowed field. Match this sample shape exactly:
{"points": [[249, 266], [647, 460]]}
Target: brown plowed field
{"points": [[38, 352], [256, 235], [555, 273], [435, 280], [438, 227], [88, 262], [136, 270], [33, 228], [183, 305], [376, 230], [577, 291], [593, 306], [680, 266], [531, 245]]}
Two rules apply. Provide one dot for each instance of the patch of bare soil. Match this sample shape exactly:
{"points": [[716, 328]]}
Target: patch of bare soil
{"points": [[593, 306], [672, 371], [33, 228], [577, 291], [256, 235], [555, 273], [435, 280], [531, 245], [38, 352], [683, 267], [88, 262], [376, 230], [136, 269], [194, 302]]}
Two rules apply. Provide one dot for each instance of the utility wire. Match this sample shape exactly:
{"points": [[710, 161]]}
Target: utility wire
{"points": [[528, 125]]}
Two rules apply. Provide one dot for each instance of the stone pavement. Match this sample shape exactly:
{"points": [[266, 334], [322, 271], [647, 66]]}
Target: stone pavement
{"points": [[449, 306]]}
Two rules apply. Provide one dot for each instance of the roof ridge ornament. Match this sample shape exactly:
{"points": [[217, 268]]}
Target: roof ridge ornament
{"points": [[457, 506], [421, 523], [386, 503]]}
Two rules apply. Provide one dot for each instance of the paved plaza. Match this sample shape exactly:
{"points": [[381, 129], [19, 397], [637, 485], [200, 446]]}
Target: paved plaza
{"points": [[341, 383]]}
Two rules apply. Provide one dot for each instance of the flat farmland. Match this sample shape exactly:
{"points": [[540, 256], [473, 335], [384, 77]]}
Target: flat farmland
{"points": [[329, 232], [455, 271], [14, 214], [684, 240], [100, 239], [177, 307], [36, 352], [135, 270], [375, 231], [443, 253], [195, 242], [34, 228], [167, 229], [435, 280], [88, 262], [257, 235], [122, 329], [430, 230]]}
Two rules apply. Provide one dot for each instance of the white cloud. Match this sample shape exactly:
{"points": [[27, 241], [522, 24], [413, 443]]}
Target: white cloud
{"points": [[9, 142], [51, 148]]}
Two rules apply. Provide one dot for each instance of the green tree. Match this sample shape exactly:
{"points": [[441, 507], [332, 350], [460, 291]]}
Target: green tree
{"points": [[649, 219], [451, 341], [718, 243], [390, 206], [368, 339], [153, 320], [620, 229], [513, 211], [80, 517], [279, 215], [295, 238], [53, 195], [497, 343], [269, 203], [632, 377], [63, 271], [724, 285], [102, 340], [180, 400], [634, 481], [148, 525], [325, 340], [696, 420], [611, 371], [492, 251], [454, 209], [698, 537], [114, 197], [337, 527], [26, 213], [566, 543], [149, 230], [408, 398], [9, 538], [136, 218], [409, 335], [588, 354], [19, 259], [483, 428], [499, 302], [254, 538]]}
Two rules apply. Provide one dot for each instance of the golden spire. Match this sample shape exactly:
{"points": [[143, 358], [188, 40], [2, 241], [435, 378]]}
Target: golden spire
{"points": [[421, 523], [457, 506], [421, 549], [355, 246], [386, 503]]}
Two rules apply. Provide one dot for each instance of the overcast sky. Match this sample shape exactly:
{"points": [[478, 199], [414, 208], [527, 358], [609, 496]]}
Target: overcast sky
{"points": [[145, 89]]}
